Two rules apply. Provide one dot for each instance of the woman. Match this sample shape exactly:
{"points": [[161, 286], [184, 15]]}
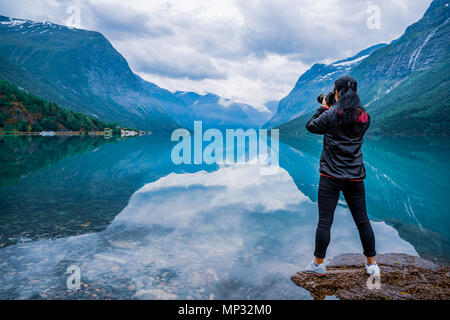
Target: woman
{"points": [[342, 169]]}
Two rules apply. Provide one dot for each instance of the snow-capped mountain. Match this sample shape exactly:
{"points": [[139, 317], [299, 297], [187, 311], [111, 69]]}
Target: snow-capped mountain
{"points": [[406, 84], [320, 78], [213, 111], [80, 70], [403, 85], [260, 115]]}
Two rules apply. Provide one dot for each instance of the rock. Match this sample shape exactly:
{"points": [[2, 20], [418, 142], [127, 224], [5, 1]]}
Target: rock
{"points": [[155, 294], [115, 268], [403, 277], [387, 259]]}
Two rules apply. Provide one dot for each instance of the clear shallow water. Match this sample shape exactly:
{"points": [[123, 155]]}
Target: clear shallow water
{"points": [[140, 227]]}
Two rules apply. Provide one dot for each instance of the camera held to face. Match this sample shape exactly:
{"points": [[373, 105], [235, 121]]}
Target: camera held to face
{"points": [[330, 99]]}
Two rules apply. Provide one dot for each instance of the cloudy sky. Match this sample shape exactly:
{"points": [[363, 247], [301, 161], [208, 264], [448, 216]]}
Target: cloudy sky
{"points": [[250, 51]]}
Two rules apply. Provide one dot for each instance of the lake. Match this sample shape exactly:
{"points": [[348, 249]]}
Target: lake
{"points": [[140, 227]]}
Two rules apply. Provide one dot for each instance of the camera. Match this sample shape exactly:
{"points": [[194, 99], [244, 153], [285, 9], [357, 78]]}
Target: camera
{"points": [[329, 98]]}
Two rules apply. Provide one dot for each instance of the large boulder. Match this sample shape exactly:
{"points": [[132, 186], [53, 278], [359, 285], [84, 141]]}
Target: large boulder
{"points": [[403, 277]]}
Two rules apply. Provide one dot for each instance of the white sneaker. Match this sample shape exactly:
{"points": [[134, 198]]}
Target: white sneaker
{"points": [[373, 269], [320, 270]]}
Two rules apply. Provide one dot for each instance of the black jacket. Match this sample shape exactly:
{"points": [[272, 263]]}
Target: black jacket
{"points": [[341, 155]]}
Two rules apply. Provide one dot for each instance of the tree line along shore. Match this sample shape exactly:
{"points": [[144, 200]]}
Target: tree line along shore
{"points": [[22, 113]]}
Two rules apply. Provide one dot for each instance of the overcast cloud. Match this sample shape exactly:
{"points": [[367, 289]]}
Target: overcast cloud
{"points": [[251, 51]]}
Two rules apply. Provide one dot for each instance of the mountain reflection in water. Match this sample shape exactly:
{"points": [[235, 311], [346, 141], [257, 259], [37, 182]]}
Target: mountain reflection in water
{"points": [[140, 227]]}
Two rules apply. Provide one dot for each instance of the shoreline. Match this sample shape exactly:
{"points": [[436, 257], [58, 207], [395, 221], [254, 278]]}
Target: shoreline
{"points": [[57, 133], [403, 277], [72, 133]]}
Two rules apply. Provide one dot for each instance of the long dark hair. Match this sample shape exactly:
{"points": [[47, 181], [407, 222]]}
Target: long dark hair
{"points": [[349, 103]]}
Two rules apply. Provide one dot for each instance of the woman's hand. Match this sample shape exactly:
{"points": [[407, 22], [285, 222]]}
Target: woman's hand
{"points": [[324, 103]]}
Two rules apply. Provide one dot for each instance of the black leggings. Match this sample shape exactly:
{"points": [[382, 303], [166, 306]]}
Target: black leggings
{"points": [[355, 196]]}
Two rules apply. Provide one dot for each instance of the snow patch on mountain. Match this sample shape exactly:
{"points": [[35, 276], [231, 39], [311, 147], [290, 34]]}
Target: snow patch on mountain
{"points": [[225, 102], [350, 62], [14, 22]]}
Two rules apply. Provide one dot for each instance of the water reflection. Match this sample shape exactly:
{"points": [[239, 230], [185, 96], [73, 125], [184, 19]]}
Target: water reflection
{"points": [[407, 186], [408, 183], [160, 231], [20, 155], [85, 183]]}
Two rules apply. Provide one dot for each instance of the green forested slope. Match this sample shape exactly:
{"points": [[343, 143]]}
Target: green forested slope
{"points": [[21, 111]]}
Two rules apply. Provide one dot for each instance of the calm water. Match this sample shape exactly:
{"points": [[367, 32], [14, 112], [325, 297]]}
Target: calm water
{"points": [[140, 227]]}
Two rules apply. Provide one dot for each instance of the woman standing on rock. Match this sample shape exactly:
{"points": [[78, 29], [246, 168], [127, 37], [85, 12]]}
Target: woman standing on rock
{"points": [[342, 169]]}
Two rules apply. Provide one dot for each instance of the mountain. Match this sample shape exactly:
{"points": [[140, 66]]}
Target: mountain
{"points": [[404, 85], [80, 70], [272, 106], [21, 111], [319, 79], [212, 110], [260, 116]]}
